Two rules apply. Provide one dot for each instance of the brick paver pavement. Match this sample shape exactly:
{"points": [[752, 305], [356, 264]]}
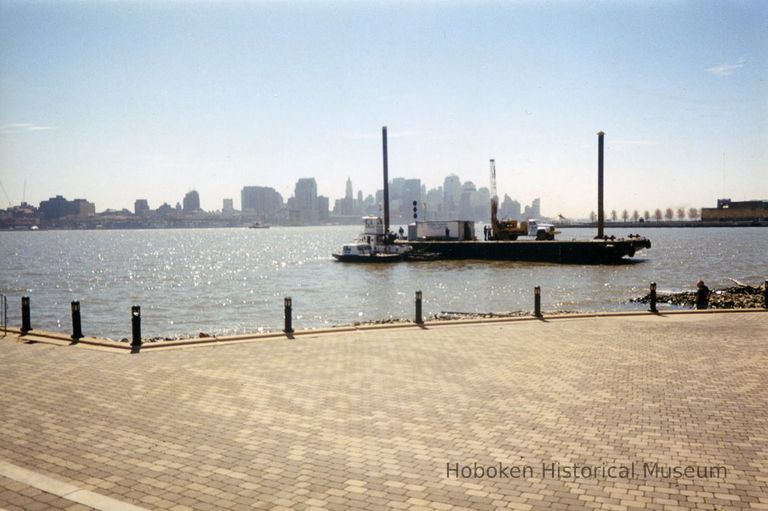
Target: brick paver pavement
{"points": [[370, 419]]}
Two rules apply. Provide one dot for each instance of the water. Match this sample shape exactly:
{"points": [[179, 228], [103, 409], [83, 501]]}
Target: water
{"points": [[226, 281]]}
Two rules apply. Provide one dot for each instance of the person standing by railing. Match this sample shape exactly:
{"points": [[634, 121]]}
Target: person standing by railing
{"points": [[702, 295]]}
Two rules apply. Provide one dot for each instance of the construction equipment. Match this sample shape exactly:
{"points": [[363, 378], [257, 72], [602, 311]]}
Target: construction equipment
{"points": [[503, 229]]}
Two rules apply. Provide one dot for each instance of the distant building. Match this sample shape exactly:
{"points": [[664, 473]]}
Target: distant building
{"points": [[730, 211], [84, 209], [348, 193], [59, 207], [411, 192], [466, 211], [481, 202], [191, 202], [510, 209], [323, 211], [305, 201], [141, 207], [165, 210], [264, 201], [451, 195], [227, 207], [534, 211], [346, 206]]}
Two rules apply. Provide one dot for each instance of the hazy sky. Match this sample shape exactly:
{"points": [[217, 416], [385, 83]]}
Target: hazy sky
{"points": [[113, 101]]}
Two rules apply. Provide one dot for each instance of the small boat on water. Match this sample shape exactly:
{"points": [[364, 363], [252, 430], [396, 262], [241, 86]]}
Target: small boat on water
{"points": [[258, 225], [375, 245]]}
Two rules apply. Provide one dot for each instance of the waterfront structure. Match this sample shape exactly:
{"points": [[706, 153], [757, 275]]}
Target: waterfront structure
{"points": [[736, 211], [191, 202]]}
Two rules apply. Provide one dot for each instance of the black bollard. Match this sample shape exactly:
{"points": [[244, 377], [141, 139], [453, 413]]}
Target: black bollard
{"points": [[26, 323], [653, 298], [136, 328], [77, 330], [537, 301], [765, 294], [419, 318], [288, 307]]}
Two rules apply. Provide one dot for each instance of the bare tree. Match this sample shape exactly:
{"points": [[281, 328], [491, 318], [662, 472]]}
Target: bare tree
{"points": [[657, 215], [635, 216], [592, 216], [647, 215], [613, 215], [625, 215], [693, 213], [680, 214], [669, 214]]}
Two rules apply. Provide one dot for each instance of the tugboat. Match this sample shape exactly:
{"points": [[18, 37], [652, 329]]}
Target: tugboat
{"points": [[375, 245]]}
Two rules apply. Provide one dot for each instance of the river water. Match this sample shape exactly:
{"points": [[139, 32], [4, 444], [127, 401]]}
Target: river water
{"points": [[226, 281]]}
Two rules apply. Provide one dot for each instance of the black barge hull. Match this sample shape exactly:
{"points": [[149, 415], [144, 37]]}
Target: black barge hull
{"points": [[564, 252]]}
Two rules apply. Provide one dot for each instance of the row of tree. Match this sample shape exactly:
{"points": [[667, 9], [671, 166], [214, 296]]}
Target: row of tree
{"points": [[658, 215]]}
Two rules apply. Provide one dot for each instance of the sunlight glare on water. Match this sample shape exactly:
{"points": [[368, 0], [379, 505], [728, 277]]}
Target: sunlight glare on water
{"points": [[226, 281]]}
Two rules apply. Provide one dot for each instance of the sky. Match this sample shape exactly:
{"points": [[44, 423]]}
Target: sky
{"points": [[119, 100]]}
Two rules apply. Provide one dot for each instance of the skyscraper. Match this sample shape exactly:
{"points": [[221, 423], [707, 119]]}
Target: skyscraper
{"points": [[191, 202], [305, 200], [141, 207], [451, 195], [263, 201], [348, 193]]}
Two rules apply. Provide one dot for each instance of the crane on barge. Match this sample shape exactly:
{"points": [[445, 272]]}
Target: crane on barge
{"points": [[509, 230]]}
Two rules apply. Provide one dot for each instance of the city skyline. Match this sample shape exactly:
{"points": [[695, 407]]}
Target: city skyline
{"points": [[115, 102]]}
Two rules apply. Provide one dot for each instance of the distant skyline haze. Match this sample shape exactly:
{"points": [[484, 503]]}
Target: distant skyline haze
{"points": [[118, 101]]}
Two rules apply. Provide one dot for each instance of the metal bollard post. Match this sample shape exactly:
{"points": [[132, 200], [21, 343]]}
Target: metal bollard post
{"points": [[4, 313], [77, 330], [653, 298], [537, 301], [288, 308], [419, 318], [765, 294], [136, 328], [26, 323]]}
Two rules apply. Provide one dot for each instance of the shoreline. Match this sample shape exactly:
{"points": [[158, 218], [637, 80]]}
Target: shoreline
{"points": [[61, 339]]}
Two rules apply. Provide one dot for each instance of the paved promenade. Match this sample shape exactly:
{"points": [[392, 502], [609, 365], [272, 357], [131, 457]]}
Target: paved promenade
{"points": [[395, 418]]}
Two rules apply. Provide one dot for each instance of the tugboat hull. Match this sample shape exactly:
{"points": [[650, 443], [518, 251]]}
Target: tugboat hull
{"points": [[368, 258]]}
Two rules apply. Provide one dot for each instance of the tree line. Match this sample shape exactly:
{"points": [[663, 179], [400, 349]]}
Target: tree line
{"points": [[658, 215]]}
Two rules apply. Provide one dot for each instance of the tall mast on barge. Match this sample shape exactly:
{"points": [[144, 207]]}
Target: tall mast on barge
{"points": [[386, 179]]}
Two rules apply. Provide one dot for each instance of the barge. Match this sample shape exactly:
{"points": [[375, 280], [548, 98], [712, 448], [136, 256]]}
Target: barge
{"points": [[507, 241], [602, 251]]}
